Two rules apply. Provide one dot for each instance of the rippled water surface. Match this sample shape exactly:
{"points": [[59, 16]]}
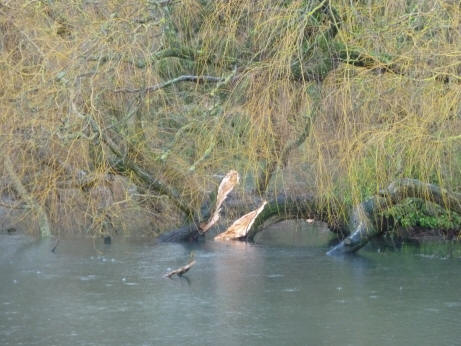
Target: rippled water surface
{"points": [[236, 294]]}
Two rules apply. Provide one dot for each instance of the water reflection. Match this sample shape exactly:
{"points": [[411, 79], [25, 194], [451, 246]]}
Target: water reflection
{"points": [[236, 294]]}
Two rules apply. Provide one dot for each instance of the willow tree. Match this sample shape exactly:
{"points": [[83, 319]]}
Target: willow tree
{"points": [[318, 104]]}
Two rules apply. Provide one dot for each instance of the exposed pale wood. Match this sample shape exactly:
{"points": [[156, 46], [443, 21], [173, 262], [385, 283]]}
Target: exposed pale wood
{"points": [[280, 208], [240, 227], [227, 185], [362, 224]]}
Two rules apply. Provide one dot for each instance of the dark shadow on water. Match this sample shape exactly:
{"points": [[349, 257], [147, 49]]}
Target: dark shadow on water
{"points": [[186, 279], [355, 259], [181, 279]]}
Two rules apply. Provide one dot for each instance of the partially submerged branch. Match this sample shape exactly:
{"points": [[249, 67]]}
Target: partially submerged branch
{"points": [[181, 270], [280, 208], [211, 214], [364, 219], [285, 207]]}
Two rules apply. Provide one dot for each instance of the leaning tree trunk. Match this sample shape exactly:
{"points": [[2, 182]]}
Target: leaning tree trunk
{"points": [[363, 222]]}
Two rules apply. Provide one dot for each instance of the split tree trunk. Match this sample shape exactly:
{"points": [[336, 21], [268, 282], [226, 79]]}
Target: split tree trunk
{"points": [[363, 222], [281, 208]]}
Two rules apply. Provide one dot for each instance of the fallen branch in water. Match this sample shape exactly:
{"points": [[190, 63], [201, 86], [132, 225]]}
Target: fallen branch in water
{"points": [[181, 270]]}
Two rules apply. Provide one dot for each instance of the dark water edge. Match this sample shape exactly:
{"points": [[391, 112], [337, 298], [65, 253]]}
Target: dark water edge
{"points": [[272, 293]]}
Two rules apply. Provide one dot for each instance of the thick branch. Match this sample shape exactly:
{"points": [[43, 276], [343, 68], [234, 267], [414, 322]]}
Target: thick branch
{"points": [[399, 190], [184, 78], [266, 175], [285, 207]]}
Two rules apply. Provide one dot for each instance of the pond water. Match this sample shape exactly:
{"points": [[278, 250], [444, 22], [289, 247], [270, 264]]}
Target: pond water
{"points": [[272, 293]]}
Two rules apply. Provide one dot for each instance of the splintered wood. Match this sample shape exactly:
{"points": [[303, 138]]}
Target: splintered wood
{"points": [[227, 184], [241, 226]]}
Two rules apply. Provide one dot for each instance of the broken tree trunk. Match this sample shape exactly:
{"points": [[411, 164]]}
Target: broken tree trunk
{"points": [[281, 208], [197, 228], [286, 207], [364, 221]]}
